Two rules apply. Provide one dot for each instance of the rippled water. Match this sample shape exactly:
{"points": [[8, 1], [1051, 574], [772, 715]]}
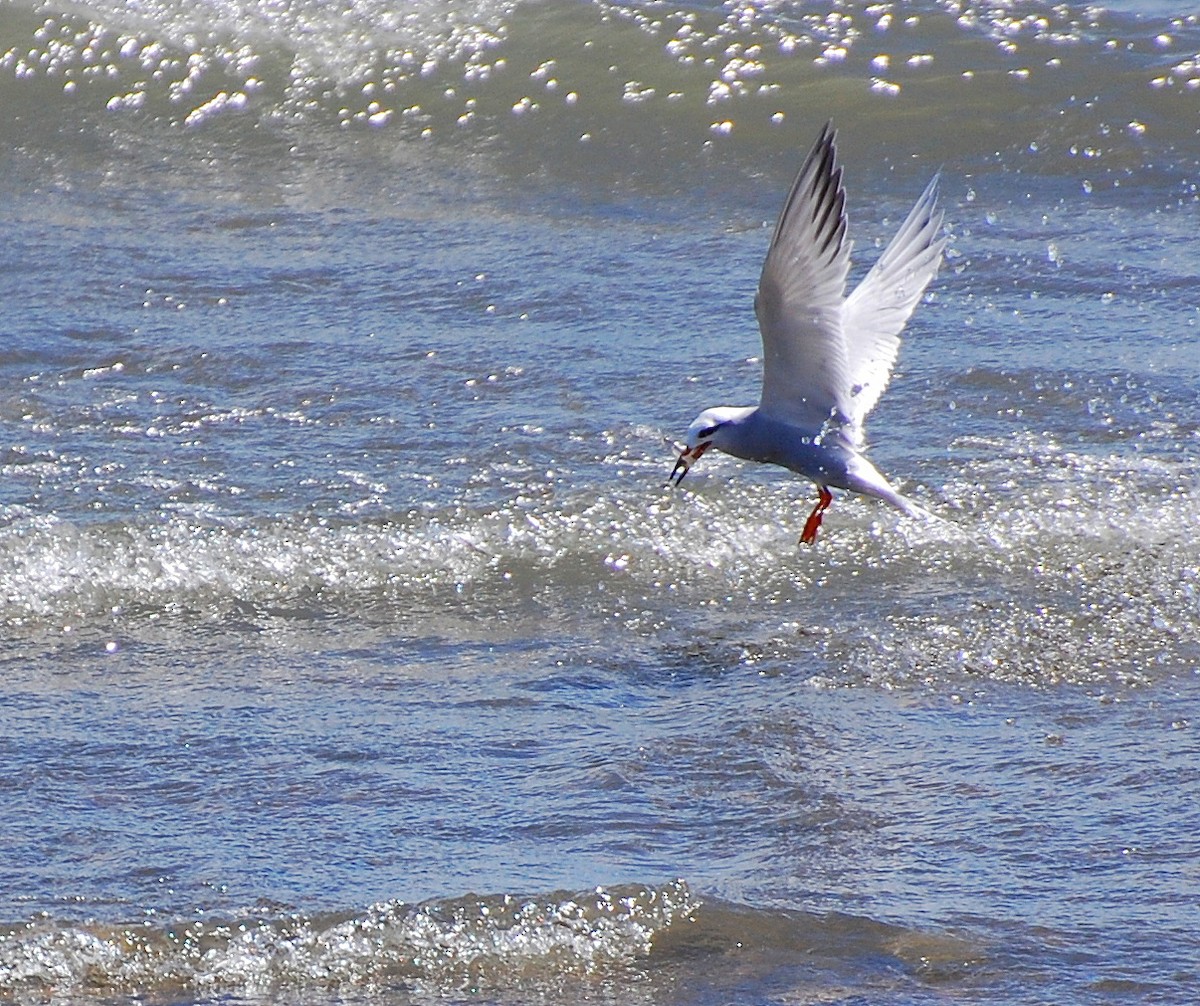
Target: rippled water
{"points": [[352, 645]]}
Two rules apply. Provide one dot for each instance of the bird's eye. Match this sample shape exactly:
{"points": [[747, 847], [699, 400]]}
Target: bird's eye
{"points": [[708, 431]]}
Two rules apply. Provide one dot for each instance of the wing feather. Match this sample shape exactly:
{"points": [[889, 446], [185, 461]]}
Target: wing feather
{"points": [[806, 369], [876, 312]]}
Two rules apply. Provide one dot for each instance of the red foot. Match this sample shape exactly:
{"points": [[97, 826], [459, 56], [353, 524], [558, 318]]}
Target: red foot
{"points": [[814, 519]]}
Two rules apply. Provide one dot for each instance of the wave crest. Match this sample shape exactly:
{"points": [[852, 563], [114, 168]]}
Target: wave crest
{"points": [[475, 943], [619, 77]]}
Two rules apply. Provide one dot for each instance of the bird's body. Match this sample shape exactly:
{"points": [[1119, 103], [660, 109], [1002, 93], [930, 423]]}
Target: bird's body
{"points": [[826, 357]]}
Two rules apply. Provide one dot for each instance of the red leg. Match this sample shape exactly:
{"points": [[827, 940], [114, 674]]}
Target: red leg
{"points": [[814, 519]]}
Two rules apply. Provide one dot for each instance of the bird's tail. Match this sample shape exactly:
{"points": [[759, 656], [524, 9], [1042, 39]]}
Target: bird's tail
{"points": [[865, 478], [911, 509]]}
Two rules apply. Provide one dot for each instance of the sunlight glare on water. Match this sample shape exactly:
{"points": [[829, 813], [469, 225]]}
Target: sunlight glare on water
{"points": [[354, 646]]}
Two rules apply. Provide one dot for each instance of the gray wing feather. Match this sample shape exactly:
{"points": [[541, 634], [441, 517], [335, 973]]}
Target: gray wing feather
{"points": [[876, 312], [806, 370]]}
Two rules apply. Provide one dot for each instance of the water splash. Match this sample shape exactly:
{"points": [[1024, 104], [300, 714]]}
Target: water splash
{"points": [[470, 943]]}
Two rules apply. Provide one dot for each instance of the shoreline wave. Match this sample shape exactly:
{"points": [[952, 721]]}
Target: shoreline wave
{"points": [[1050, 89], [492, 945], [1054, 566]]}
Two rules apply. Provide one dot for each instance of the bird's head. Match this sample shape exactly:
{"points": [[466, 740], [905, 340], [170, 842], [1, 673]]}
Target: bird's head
{"points": [[705, 429]]}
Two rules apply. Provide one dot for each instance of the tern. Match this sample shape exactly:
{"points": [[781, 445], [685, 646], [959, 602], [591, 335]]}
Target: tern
{"points": [[826, 357]]}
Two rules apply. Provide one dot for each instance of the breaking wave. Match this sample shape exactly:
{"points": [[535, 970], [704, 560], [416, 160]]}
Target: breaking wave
{"points": [[503, 947], [1045, 86]]}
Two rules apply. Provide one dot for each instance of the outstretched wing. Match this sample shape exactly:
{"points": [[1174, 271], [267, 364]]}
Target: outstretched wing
{"points": [[807, 375], [876, 312]]}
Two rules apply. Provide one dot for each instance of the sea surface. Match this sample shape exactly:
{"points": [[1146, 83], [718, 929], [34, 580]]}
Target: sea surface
{"points": [[352, 648]]}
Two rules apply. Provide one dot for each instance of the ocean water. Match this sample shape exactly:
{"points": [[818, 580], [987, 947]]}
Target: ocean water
{"points": [[354, 649]]}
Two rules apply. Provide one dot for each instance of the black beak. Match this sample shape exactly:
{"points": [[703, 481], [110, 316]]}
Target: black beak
{"points": [[682, 464]]}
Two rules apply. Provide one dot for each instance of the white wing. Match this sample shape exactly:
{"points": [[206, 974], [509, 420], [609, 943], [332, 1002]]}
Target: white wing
{"points": [[807, 375], [875, 313]]}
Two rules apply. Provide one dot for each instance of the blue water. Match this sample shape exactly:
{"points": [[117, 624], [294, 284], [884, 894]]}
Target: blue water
{"points": [[353, 647]]}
